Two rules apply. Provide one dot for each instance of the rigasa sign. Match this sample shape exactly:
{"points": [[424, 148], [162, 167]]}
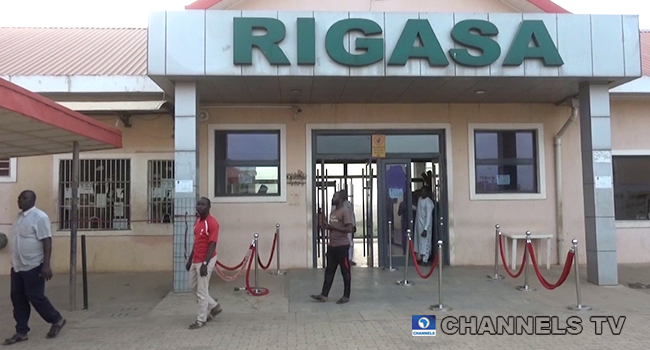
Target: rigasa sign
{"points": [[475, 44]]}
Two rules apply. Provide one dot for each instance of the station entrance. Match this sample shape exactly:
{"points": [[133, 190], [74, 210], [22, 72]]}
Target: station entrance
{"points": [[384, 185]]}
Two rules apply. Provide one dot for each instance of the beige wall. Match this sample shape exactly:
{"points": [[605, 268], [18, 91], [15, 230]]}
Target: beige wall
{"points": [[373, 5], [148, 246], [472, 222], [630, 122]]}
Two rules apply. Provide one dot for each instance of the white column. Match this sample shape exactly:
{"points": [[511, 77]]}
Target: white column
{"points": [[186, 178]]}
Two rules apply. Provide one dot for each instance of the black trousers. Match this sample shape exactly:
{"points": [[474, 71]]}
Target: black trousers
{"points": [[337, 256], [29, 287]]}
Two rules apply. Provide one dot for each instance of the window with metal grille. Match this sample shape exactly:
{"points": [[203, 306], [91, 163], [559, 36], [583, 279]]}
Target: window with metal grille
{"points": [[160, 191], [247, 163], [104, 194], [5, 167]]}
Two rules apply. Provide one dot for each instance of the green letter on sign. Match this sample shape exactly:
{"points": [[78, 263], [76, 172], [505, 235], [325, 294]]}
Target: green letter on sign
{"points": [[306, 41], [490, 49], [244, 40], [336, 49], [429, 48], [544, 47]]}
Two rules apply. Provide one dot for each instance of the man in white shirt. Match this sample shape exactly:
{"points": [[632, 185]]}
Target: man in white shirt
{"points": [[30, 268], [424, 224]]}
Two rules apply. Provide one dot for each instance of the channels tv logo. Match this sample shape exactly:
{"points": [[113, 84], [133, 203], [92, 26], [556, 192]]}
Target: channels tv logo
{"points": [[423, 326]]}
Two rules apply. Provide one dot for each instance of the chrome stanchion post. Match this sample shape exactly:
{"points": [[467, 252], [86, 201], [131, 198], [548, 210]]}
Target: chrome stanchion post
{"points": [[390, 248], [497, 234], [405, 282], [278, 272], [256, 289], [440, 306], [578, 306], [525, 287]]}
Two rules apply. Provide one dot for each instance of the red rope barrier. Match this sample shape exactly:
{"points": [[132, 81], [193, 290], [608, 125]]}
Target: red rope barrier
{"points": [[259, 261], [236, 275], [236, 267], [264, 291], [417, 267], [505, 265], [542, 280]]}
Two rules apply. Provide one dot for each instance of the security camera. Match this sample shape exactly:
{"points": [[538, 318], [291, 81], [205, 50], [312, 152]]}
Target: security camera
{"points": [[203, 116]]}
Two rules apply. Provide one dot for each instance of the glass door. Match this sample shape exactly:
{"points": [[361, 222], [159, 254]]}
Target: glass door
{"points": [[395, 209]]}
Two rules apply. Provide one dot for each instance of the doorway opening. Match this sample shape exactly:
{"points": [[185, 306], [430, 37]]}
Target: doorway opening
{"points": [[381, 190]]}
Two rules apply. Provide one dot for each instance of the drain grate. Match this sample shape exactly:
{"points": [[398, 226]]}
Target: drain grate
{"points": [[638, 285]]}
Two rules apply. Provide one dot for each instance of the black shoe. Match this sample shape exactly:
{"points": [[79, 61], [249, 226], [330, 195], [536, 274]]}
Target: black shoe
{"points": [[353, 263], [214, 312], [319, 297], [343, 300], [56, 328], [15, 339]]}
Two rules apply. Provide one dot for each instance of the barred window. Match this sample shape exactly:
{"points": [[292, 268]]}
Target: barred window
{"points": [[5, 167], [160, 191], [104, 194]]}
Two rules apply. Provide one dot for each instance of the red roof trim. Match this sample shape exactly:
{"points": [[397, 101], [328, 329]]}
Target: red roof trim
{"points": [[202, 4], [544, 5], [548, 6], [29, 104]]}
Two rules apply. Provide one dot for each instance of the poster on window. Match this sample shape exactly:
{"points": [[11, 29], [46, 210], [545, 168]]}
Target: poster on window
{"points": [[503, 180], [395, 193], [86, 188]]}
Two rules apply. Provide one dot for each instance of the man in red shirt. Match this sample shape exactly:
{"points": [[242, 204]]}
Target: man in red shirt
{"points": [[202, 261]]}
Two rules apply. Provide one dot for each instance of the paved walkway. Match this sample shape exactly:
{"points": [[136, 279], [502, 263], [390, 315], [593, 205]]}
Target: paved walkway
{"points": [[136, 311]]}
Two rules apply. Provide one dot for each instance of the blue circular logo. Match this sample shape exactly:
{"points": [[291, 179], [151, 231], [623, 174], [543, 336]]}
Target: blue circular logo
{"points": [[423, 322]]}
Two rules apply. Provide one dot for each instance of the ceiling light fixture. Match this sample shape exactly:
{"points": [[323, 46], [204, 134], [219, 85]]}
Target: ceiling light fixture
{"points": [[479, 92]]}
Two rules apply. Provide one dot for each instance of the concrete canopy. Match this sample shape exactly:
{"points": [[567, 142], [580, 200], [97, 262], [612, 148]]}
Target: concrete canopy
{"points": [[32, 125]]}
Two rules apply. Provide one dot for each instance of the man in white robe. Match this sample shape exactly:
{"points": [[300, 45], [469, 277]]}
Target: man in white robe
{"points": [[424, 224]]}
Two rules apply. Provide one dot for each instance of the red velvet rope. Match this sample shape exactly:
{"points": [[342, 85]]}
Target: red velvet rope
{"points": [[236, 267], [542, 280], [417, 267], [505, 265], [275, 238], [264, 291]]}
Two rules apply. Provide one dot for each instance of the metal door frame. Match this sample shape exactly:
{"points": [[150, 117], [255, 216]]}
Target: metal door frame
{"points": [[382, 222]]}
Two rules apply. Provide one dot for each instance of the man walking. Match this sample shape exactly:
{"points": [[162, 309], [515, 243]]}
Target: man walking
{"points": [[337, 251], [348, 206], [30, 268], [201, 262]]}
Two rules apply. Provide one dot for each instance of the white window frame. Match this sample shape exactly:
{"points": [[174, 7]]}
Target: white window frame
{"points": [[631, 223], [12, 172], [282, 198], [541, 164]]}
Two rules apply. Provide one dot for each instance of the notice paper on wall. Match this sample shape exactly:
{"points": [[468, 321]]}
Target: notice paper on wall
{"points": [[603, 182], [184, 186]]}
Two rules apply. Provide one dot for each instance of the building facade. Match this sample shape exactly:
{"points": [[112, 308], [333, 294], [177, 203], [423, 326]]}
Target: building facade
{"points": [[523, 118]]}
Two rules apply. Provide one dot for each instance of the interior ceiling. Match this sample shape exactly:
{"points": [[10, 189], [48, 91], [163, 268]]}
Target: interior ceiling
{"points": [[22, 136], [306, 90]]}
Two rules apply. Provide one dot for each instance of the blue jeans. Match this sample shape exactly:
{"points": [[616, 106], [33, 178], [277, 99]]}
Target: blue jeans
{"points": [[29, 287]]}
